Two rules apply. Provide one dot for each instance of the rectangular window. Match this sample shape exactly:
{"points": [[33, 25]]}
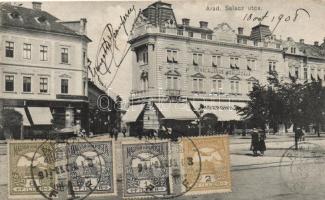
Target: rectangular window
{"points": [[209, 36], [237, 86], [232, 86], [179, 32], [9, 83], [203, 36], [216, 61], [43, 85], [272, 67], [250, 64], [234, 63], [190, 34], [297, 72], [200, 84], [169, 82], [175, 83], [43, 53], [250, 86], [171, 56], [220, 85], [27, 51], [305, 73], [27, 82], [64, 86], [9, 49], [64, 55], [195, 84], [84, 57], [214, 85], [197, 59]]}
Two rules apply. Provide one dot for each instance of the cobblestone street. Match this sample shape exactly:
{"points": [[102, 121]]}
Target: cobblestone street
{"points": [[256, 177]]}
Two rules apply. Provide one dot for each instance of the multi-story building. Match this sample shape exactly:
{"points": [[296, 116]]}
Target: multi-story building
{"points": [[42, 66], [182, 72]]}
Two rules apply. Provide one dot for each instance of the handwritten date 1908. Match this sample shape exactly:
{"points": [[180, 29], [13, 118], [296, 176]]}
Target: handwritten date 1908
{"points": [[278, 19]]}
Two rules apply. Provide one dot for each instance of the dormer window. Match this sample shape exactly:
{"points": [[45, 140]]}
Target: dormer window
{"points": [[14, 15], [41, 19]]}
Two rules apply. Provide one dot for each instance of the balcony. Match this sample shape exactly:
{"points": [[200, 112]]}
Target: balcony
{"points": [[173, 92]]}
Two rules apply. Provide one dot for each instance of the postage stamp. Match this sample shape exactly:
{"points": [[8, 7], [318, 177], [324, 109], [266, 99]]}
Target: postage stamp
{"points": [[213, 154], [145, 169], [93, 169], [301, 169], [28, 158]]}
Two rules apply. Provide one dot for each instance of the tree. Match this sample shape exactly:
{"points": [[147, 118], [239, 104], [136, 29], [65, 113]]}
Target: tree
{"points": [[10, 121]]}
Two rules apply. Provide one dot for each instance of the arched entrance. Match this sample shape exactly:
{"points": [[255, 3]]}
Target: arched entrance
{"points": [[209, 124]]}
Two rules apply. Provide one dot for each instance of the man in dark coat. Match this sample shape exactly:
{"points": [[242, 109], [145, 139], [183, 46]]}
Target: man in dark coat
{"points": [[262, 146], [255, 142]]}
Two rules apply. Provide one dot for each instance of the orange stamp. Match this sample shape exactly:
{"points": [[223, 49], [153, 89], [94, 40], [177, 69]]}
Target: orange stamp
{"points": [[208, 157]]}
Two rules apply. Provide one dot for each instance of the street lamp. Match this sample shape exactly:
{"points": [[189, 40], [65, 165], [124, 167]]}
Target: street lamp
{"points": [[200, 118]]}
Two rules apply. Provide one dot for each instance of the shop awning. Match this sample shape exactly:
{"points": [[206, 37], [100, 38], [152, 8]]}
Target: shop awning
{"points": [[224, 111], [41, 115], [23, 113], [133, 113], [178, 111]]}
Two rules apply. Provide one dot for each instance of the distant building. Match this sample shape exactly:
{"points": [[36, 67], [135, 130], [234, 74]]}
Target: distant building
{"points": [[182, 72], [103, 112], [42, 66]]}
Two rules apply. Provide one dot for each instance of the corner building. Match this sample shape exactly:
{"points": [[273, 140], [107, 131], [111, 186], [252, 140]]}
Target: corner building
{"points": [[43, 73], [183, 73]]}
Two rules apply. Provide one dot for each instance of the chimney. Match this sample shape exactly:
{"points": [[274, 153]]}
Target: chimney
{"points": [[316, 43], [203, 24], [37, 5], [302, 41], [83, 25], [186, 21], [240, 30]]}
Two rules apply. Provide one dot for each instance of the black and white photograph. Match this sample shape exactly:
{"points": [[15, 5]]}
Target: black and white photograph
{"points": [[162, 99]]}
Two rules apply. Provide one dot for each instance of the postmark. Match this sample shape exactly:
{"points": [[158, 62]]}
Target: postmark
{"points": [[94, 169], [302, 170], [213, 153], [73, 169], [145, 169], [21, 181]]}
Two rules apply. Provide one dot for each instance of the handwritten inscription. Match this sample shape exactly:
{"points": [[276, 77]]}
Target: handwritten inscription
{"points": [[113, 46]]}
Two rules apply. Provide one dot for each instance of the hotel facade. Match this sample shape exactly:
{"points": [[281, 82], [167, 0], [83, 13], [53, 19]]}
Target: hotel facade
{"points": [[183, 73], [43, 74]]}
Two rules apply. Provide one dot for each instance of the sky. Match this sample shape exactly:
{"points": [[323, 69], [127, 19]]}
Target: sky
{"points": [[100, 13]]}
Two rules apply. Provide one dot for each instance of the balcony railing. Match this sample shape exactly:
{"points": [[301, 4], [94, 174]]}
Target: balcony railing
{"points": [[173, 92]]}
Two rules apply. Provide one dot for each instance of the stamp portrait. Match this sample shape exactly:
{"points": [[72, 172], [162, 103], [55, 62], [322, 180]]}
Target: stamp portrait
{"points": [[145, 169], [215, 167]]}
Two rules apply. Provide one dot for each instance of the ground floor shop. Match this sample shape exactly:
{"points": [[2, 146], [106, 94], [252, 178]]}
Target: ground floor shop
{"points": [[39, 117], [193, 117]]}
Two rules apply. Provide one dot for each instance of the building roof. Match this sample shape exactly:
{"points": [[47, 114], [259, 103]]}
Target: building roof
{"points": [[194, 28], [33, 19], [311, 50], [259, 32]]}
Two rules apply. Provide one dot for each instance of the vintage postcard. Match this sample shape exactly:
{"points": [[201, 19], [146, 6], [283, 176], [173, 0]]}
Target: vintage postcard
{"points": [[169, 99], [206, 163]]}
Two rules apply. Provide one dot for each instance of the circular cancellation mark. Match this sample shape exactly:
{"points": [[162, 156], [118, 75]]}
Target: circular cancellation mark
{"points": [[302, 170], [183, 185], [56, 170]]}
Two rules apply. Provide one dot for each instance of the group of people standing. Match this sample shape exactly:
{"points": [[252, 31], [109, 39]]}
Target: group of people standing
{"points": [[258, 142]]}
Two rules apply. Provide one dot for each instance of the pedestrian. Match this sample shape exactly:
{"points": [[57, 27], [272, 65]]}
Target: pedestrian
{"points": [[298, 135], [254, 142], [124, 131], [115, 133], [262, 146]]}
